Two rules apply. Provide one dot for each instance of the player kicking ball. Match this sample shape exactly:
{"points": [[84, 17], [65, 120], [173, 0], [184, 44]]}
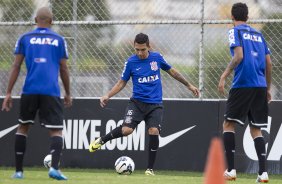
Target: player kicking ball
{"points": [[146, 101]]}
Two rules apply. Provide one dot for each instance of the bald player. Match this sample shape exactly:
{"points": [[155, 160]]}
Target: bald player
{"points": [[45, 55]]}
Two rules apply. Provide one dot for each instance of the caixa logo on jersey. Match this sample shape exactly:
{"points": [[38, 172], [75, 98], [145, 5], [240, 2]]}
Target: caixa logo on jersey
{"points": [[79, 133], [274, 153], [44, 41]]}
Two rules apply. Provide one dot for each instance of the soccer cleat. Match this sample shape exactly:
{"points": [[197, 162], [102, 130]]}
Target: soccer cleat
{"points": [[149, 172], [95, 145], [263, 178], [230, 176], [56, 174], [18, 175]]}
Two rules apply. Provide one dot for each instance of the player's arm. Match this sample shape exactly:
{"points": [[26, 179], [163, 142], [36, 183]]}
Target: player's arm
{"points": [[117, 88], [64, 73], [176, 75], [268, 76], [235, 61], [15, 70]]}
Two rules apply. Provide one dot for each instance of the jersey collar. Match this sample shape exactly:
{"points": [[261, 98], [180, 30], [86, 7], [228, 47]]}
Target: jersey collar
{"points": [[42, 28]]}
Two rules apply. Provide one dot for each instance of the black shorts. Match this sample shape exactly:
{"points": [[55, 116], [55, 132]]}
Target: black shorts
{"points": [[247, 102], [49, 108], [137, 111]]}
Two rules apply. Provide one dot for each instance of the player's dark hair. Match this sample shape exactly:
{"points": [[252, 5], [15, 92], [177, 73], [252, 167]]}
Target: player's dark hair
{"points": [[141, 38], [240, 11]]}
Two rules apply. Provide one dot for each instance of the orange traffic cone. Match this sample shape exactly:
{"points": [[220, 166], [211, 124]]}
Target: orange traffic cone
{"points": [[215, 163]]}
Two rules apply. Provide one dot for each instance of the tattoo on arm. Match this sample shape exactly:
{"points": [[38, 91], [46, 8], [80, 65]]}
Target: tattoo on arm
{"points": [[180, 78], [236, 60], [230, 67], [233, 64]]}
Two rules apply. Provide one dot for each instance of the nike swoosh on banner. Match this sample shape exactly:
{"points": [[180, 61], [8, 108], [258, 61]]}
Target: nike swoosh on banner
{"points": [[165, 140], [8, 130]]}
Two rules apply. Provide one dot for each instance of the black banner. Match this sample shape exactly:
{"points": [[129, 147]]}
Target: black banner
{"points": [[185, 137]]}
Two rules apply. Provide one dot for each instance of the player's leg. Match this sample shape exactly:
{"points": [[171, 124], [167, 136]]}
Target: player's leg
{"points": [[153, 120], [229, 145], [51, 116], [260, 148], [261, 153], [20, 147], [28, 109], [237, 108], [132, 118], [119, 131], [56, 152], [258, 119], [56, 147], [152, 149]]}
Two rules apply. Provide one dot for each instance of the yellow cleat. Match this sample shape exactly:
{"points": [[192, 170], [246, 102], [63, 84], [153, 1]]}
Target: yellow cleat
{"points": [[149, 172], [95, 145]]}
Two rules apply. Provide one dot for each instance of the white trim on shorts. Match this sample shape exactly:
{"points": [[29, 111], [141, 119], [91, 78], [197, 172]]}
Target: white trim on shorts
{"points": [[259, 125], [229, 132], [26, 121], [258, 137], [237, 120], [21, 134], [54, 126]]}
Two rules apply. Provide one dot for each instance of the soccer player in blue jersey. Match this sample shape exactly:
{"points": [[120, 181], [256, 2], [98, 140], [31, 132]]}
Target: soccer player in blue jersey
{"points": [[250, 91], [45, 54], [146, 101]]}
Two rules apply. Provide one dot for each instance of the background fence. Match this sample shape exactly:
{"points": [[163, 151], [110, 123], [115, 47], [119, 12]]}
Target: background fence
{"points": [[191, 34]]}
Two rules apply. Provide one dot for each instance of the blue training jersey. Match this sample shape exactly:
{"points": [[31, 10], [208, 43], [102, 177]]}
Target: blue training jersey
{"points": [[251, 71], [146, 78], [43, 50]]}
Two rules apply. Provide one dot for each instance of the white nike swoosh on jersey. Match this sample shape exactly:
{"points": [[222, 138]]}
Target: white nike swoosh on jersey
{"points": [[7, 130], [165, 140]]}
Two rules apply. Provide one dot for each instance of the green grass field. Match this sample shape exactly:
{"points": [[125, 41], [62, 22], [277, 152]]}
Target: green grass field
{"points": [[98, 176]]}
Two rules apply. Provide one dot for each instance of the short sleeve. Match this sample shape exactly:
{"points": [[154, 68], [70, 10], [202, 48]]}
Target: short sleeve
{"points": [[64, 49], [126, 72], [234, 39], [266, 49], [19, 47], [163, 64]]}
